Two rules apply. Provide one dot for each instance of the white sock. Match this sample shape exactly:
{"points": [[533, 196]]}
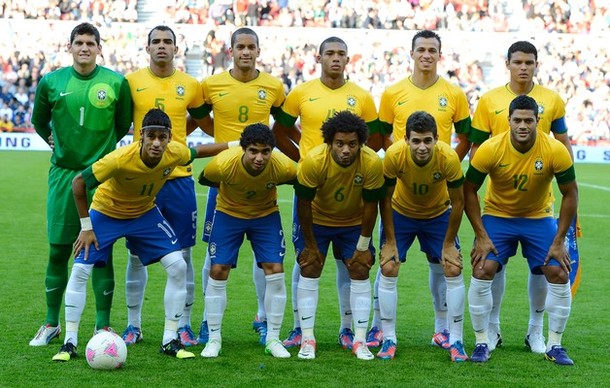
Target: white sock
{"points": [[438, 288], [296, 275], [497, 291], [537, 290], [558, 306], [216, 302], [136, 277], [480, 302], [455, 307], [175, 293], [360, 300], [187, 255], [343, 292], [75, 299], [388, 297], [275, 303], [376, 316], [307, 303], [258, 277], [205, 276]]}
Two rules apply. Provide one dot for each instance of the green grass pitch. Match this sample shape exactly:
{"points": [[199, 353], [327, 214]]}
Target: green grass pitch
{"points": [[242, 363]]}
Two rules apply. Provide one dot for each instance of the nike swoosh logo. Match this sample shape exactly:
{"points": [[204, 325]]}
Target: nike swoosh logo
{"points": [[540, 311], [306, 318], [129, 179], [188, 304], [174, 241], [140, 89], [457, 320], [222, 94], [132, 307], [62, 94], [400, 103], [500, 111], [70, 306], [503, 165], [51, 289], [213, 330], [313, 99], [177, 316], [282, 254], [363, 321], [106, 292]]}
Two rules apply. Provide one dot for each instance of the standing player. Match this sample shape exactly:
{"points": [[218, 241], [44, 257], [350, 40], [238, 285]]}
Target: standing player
{"points": [[238, 97], [521, 164], [84, 110], [425, 200], [425, 90], [314, 102], [490, 120], [127, 181], [339, 186], [161, 85], [247, 205]]}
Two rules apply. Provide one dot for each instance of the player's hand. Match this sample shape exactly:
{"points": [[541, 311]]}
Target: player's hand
{"points": [[480, 250], [84, 241], [364, 258], [451, 256], [388, 253], [309, 256], [559, 252], [51, 142]]}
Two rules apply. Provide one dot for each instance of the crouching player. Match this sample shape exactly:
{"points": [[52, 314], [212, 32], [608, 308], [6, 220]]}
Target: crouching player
{"points": [[127, 181], [247, 205]]}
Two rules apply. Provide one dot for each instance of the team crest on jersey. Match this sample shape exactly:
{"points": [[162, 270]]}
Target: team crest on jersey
{"points": [[101, 95], [213, 249], [540, 109], [262, 94], [270, 185], [207, 227], [167, 171], [351, 101], [437, 176], [538, 165], [180, 90], [358, 179], [443, 101]]}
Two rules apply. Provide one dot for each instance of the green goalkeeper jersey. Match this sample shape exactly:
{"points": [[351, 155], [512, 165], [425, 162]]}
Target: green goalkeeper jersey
{"points": [[87, 115]]}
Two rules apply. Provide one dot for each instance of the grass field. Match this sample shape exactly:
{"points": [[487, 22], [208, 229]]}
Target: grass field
{"points": [[242, 363]]}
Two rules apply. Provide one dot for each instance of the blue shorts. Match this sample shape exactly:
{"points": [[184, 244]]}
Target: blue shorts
{"points": [[344, 239], [265, 234], [429, 232], [178, 204], [210, 207], [535, 235], [149, 236]]}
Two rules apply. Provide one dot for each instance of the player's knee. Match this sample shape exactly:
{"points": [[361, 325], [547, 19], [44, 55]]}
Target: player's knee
{"points": [[485, 272], [314, 270], [271, 268], [390, 269], [358, 271], [174, 265], [554, 274], [452, 271], [220, 272]]}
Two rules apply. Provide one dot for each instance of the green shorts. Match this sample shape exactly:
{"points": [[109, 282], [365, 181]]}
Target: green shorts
{"points": [[63, 222]]}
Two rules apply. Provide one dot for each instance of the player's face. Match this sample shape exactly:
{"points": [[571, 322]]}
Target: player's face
{"points": [[154, 143], [333, 59], [84, 50], [522, 67], [345, 148], [422, 146], [256, 157], [425, 54], [162, 47], [523, 128], [245, 50]]}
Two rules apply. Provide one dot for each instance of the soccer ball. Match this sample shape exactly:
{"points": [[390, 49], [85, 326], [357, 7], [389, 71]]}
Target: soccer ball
{"points": [[106, 350]]}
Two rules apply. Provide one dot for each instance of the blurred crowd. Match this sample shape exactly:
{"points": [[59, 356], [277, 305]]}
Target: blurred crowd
{"points": [[575, 65]]}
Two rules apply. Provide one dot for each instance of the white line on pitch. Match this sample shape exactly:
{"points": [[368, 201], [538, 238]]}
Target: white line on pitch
{"points": [[604, 188]]}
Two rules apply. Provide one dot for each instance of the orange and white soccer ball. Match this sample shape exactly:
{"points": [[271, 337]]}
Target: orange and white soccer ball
{"points": [[106, 350]]}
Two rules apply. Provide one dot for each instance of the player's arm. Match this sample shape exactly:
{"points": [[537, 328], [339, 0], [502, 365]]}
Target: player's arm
{"points": [[41, 115], [206, 124], [483, 244], [450, 254], [565, 140], [284, 136], [86, 237], [567, 212], [463, 145], [211, 149], [124, 111]]}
